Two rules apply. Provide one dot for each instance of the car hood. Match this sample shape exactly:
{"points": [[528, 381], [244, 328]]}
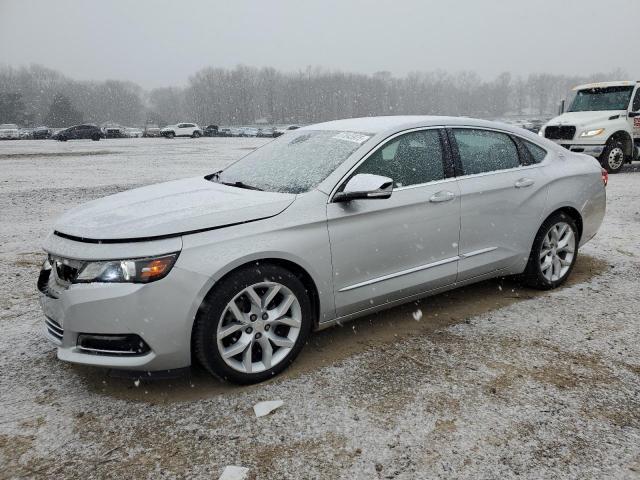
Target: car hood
{"points": [[584, 119], [169, 209]]}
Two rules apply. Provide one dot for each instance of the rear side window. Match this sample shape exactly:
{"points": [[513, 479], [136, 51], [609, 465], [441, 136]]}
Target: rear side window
{"points": [[410, 159], [537, 153], [485, 151]]}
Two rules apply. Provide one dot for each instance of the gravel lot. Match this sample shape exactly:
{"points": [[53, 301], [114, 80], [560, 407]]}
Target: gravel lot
{"points": [[492, 381]]}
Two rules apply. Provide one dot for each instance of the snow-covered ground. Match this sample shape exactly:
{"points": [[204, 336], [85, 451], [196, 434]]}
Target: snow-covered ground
{"points": [[491, 381]]}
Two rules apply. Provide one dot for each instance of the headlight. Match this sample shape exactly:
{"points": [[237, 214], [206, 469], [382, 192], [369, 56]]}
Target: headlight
{"points": [[143, 270], [592, 133]]}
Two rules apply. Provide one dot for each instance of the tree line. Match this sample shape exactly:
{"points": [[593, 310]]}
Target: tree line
{"points": [[36, 95]]}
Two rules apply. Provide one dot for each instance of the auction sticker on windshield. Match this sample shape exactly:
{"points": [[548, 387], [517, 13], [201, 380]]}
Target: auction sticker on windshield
{"points": [[351, 137]]}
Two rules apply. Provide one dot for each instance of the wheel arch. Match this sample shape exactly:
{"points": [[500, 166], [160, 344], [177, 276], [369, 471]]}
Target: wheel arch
{"points": [[575, 216], [626, 140], [298, 270]]}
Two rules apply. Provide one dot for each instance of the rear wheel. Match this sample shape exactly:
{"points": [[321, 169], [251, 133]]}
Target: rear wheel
{"points": [[612, 158], [554, 253], [195, 134], [95, 137], [253, 325]]}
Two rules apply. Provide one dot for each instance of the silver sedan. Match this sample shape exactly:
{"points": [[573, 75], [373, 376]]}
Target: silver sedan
{"points": [[326, 223]]}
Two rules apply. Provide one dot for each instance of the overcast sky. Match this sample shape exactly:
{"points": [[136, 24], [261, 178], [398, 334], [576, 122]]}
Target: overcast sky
{"points": [[157, 43]]}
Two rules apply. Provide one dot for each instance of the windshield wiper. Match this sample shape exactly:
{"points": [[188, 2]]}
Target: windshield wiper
{"points": [[215, 177], [241, 185]]}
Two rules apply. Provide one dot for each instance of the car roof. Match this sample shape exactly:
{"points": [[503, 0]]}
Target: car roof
{"points": [[375, 125], [617, 83]]}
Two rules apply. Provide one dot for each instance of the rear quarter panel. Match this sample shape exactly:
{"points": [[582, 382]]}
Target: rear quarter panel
{"points": [[577, 182]]}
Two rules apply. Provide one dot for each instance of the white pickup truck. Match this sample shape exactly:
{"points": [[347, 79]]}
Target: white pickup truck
{"points": [[603, 120]]}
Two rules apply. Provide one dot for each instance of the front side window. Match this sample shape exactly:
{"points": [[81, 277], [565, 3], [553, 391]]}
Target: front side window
{"points": [[295, 162], [598, 99], [410, 159], [485, 151]]}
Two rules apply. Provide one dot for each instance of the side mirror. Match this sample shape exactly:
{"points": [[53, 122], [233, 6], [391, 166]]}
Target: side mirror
{"points": [[633, 114], [365, 186], [561, 107]]}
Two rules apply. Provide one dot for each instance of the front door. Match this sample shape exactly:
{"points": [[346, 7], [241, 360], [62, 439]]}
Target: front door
{"points": [[502, 200], [387, 249]]}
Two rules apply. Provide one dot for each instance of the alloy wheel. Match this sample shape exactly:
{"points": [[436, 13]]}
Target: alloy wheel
{"points": [[259, 327], [557, 252]]}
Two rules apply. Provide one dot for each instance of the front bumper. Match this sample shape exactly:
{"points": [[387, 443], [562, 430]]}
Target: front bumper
{"points": [[160, 314], [593, 150]]}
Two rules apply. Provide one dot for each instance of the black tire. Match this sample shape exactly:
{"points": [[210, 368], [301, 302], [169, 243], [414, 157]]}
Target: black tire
{"points": [[209, 315], [533, 276], [169, 135], [613, 157], [62, 139], [95, 137], [195, 134]]}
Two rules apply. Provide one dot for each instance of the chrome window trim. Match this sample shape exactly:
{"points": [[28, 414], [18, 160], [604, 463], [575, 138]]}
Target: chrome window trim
{"points": [[400, 273], [496, 172], [380, 146]]}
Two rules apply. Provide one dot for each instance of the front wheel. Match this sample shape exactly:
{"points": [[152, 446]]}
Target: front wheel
{"points": [[252, 325], [169, 135], [554, 253], [95, 137], [612, 158]]}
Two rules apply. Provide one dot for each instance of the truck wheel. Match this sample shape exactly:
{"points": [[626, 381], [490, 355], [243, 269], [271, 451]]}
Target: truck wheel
{"points": [[612, 159]]}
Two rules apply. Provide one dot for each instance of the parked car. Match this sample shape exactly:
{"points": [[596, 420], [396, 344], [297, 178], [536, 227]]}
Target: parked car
{"points": [[327, 223], [151, 131], [114, 131], [25, 133], [266, 132], [181, 130], [9, 131], [41, 133], [210, 131], [282, 130], [79, 132], [133, 132], [224, 132]]}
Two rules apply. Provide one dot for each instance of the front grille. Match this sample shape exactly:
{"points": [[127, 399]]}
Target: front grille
{"points": [[54, 328], [565, 132]]}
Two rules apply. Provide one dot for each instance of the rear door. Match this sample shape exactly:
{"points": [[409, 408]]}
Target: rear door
{"points": [[503, 194], [387, 249]]}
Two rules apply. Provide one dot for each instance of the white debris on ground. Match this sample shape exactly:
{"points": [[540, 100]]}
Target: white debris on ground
{"points": [[489, 384], [262, 409], [233, 472]]}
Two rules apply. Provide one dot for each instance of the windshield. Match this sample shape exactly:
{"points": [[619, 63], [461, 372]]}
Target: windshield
{"points": [[295, 162], [597, 99]]}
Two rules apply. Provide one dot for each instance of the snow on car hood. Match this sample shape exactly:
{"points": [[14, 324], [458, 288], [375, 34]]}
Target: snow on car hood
{"points": [[584, 119], [170, 208]]}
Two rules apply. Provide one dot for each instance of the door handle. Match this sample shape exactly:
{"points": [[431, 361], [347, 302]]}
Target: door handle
{"points": [[524, 182], [442, 196]]}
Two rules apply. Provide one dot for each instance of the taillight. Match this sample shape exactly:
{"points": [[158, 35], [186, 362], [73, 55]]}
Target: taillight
{"points": [[605, 177]]}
